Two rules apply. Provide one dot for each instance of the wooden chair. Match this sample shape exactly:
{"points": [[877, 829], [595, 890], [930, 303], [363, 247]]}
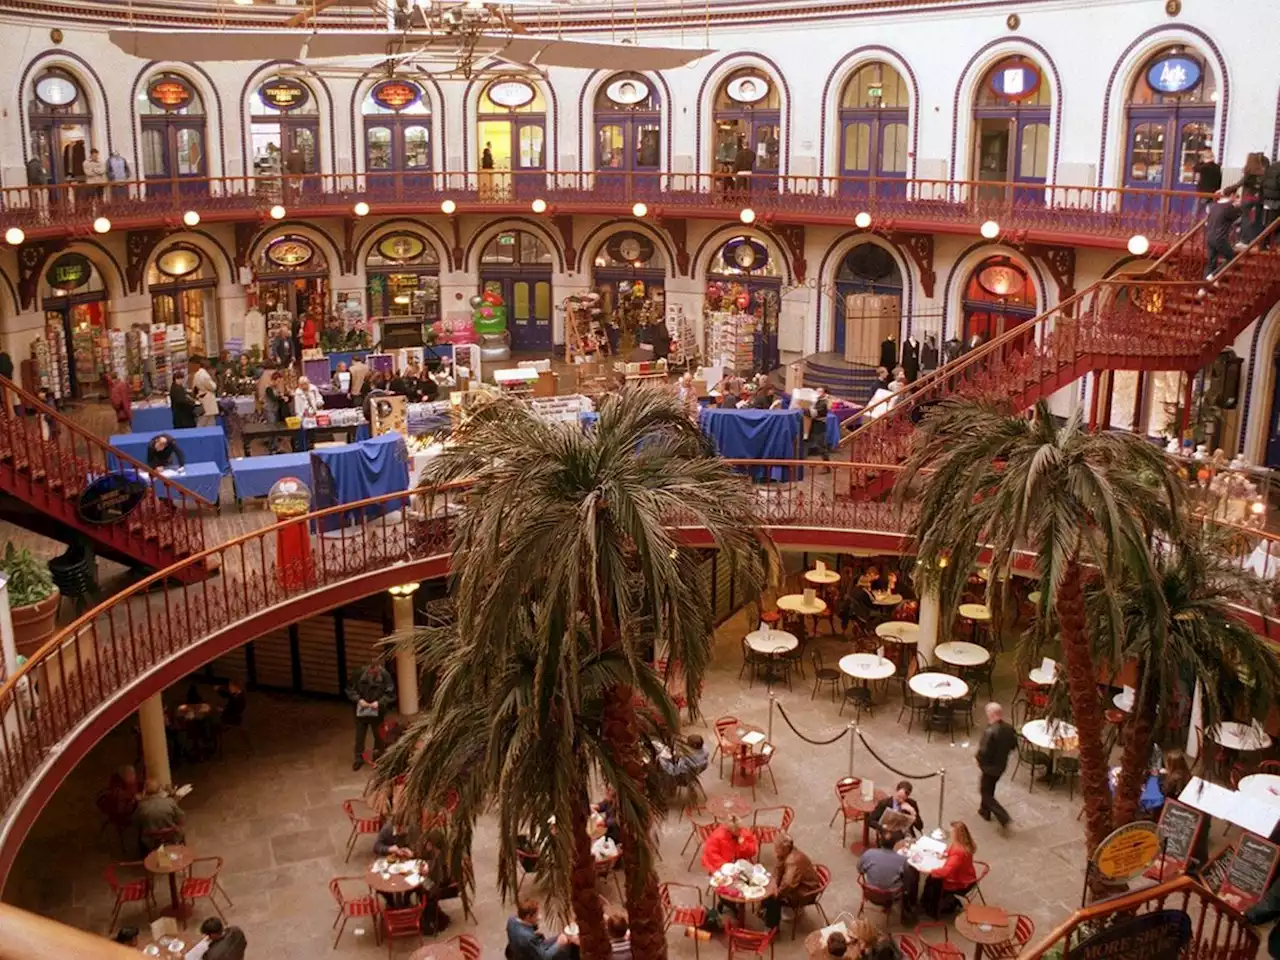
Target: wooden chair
{"points": [[880, 899], [945, 950], [402, 923], [852, 814], [136, 890], [680, 914], [814, 900], [768, 832], [751, 943], [197, 884], [1024, 929], [360, 826], [725, 746], [361, 905], [751, 765], [823, 675]]}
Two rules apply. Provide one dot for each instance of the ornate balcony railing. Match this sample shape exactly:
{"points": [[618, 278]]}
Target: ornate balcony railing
{"points": [[1067, 214]]}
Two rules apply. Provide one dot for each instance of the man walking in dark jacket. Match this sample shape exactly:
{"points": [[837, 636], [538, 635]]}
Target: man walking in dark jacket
{"points": [[998, 741], [372, 691], [1221, 215]]}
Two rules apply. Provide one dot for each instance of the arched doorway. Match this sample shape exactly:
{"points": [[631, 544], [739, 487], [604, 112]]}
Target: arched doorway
{"points": [[868, 302], [1169, 126], [291, 277], [1011, 113], [511, 139], [173, 136], [517, 265], [743, 304], [748, 131], [628, 117], [397, 138], [402, 273], [76, 348], [998, 297], [874, 141], [61, 122], [181, 282], [630, 274], [285, 130]]}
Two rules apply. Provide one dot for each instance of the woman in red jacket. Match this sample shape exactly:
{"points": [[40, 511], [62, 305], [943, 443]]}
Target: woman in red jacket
{"points": [[727, 843], [955, 877]]}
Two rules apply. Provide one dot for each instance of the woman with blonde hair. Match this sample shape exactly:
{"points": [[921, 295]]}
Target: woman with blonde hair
{"points": [[956, 877]]}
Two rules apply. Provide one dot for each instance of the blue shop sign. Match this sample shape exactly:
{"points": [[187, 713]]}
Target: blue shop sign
{"points": [[1174, 75], [1015, 81]]}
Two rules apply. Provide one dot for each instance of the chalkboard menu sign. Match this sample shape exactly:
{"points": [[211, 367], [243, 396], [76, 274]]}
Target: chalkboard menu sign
{"points": [[1251, 870], [1180, 828]]}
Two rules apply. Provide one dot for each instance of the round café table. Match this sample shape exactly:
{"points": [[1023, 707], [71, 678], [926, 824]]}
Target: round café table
{"points": [[438, 951], [772, 641], [886, 599], [1033, 596], [1052, 736], [1242, 737], [938, 686], [958, 653], [1262, 786], [796, 603], [722, 806], [898, 631], [975, 611], [867, 667], [734, 896], [170, 860], [821, 577], [393, 883], [982, 934]]}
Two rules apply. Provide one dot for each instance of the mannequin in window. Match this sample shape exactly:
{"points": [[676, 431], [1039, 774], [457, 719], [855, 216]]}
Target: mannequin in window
{"points": [[889, 352], [974, 342], [951, 349], [38, 180], [295, 164], [929, 354], [911, 358]]}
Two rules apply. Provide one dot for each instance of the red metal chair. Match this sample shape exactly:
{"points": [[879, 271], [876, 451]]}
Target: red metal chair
{"points": [[980, 868], [1024, 929], [528, 862], [137, 890], [852, 814], [360, 826], [878, 897], [768, 832], [402, 923], [946, 950], [606, 869], [752, 764], [814, 900], [699, 832], [725, 747], [679, 914], [751, 943], [467, 945], [911, 948], [194, 887], [361, 905]]}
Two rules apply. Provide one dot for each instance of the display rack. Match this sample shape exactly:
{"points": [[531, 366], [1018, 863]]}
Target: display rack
{"points": [[684, 338], [516, 382], [733, 341], [585, 337], [561, 409], [646, 371]]}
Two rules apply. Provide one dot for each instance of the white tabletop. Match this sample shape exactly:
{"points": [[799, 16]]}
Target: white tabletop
{"points": [[1263, 786], [822, 576], [1042, 677], [796, 603], [867, 666], [935, 686], [975, 611], [886, 599], [1051, 735], [961, 654], [1123, 701], [1239, 736], [926, 854], [898, 631], [772, 641]]}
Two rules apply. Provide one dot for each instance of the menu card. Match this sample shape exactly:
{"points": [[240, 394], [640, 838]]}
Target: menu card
{"points": [[1251, 870], [1180, 829], [821, 567], [1049, 667]]}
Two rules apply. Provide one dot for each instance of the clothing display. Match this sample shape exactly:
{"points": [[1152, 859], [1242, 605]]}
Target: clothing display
{"points": [[929, 354], [889, 353], [911, 358], [73, 156], [951, 349]]}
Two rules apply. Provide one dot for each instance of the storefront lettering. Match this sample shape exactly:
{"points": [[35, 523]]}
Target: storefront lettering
{"points": [[1153, 936], [1174, 75], [283, 94], [169, 94], [68, 272], [396, 94]]}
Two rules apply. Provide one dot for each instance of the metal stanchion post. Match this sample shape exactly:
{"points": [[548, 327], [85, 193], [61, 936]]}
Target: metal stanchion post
{"points": [[853, 735], [772, 698], [942, 793]]}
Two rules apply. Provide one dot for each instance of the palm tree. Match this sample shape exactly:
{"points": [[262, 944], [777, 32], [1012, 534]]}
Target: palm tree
{"points": [[1182, 628], [567, 526], [1073, 499]]}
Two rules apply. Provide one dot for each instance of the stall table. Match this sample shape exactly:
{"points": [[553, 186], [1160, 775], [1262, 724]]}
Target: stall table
{"points": [[202, 479], [198, 445], [254, 476], [267, 432]]}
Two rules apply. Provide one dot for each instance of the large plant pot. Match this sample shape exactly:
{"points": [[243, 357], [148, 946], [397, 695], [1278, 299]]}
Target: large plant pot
{"points": [[34, 624]]}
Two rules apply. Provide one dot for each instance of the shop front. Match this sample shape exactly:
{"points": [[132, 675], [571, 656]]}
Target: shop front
{"points": [[397, 139], [1011, 129], [181, 282], [75, 349], [173, 136], [628, 136], [874, 142], [516, 265], [402, 273], [630, 277], [998, 297], [747, 136], [868, 281], [511, 139], [292, 278], [61, 124], [742, 306], [285, 132]]}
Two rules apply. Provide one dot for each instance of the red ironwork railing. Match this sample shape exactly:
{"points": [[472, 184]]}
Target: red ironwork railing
{"points": [[47, 460], [1080, 213]]}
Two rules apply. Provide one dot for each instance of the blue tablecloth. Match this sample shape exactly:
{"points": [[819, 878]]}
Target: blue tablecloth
{"points": [[756, 435], [1151, 798], [358, 471], [152, 419], [254, 476], [198, 445], [203, 479]]}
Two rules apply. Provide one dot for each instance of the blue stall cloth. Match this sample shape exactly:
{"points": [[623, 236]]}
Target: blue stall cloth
{"points": [[756, 435], [198, 445], [254, 476], [202, 479], [152, 419], [358, 471], [1151, 798]]}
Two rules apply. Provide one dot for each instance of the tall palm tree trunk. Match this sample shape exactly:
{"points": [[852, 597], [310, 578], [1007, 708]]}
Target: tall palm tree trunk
{"points": [[1133, 763], [1082, 689], [593, 941], [644, 907]]}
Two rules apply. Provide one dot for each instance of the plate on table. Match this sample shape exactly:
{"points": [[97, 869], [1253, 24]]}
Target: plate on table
{"points": [[571, 930], [754, 893], [152, 950]]}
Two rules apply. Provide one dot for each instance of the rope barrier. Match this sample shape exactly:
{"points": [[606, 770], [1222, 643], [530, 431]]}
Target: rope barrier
{"points": [[818, 743], [886, 764]]}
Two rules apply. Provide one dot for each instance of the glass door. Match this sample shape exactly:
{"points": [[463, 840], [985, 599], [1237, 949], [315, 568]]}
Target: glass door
{"points": [[173, 154], [1162, 150], [612, 158], [301, 155], [529, 310], [529, 148], [765, 142]]}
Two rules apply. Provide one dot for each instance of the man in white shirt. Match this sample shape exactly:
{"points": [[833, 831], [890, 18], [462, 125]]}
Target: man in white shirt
{"points": [[206, 391]]}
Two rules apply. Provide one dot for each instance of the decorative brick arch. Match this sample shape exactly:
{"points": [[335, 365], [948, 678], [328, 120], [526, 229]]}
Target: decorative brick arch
{"points": [[845, 67], [305, 230], [491, 230], [398, 225], [763, 234], [964, 264], [621, 224], [837, 250], [206, 243]]}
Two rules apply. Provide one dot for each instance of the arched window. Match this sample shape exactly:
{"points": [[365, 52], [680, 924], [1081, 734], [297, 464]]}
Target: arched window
{"points": [[628, 117], [516, 265], [173, 135], [744, 279], [748, 125], [1011, 112], [285, 127], [998, 297], [74, 298], [868, 302], [403, 275], [1169, 122], [61, 122], [511, 136], [181, 283], [873, 130], [397, 135], [292, 278]]}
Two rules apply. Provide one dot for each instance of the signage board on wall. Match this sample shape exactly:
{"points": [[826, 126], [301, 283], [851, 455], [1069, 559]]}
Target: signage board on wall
{"points": [[169, 93], [110, 498], [396, 94], [284, 94], [1160, 935], [1174, 75], [71, 271], [1015, 80]]}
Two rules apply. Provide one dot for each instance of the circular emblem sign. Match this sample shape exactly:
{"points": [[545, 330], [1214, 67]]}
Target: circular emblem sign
{"points": [[1174, 75], [749, 89], [1127, 852], [1001, 280], [1015, 80], [511, 93], [284, 94], [69, 272], [290, 252], [169, 93], [56, 91], [110, 498], [178, 262], [628, 91], [396, 94], [401, 247]]}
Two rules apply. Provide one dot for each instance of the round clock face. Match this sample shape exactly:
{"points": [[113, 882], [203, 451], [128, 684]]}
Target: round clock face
{"points": [[745, 256], [629, 248]]}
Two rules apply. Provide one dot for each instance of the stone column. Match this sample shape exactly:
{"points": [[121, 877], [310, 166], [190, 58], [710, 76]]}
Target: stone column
{"points": [[406, 663], [930, 620], [1196, 727], [155, 748]]}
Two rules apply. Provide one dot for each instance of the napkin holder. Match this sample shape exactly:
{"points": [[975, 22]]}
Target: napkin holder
{"points": [[164, 927], [1049, 667], [820, 566], [809, 596]]}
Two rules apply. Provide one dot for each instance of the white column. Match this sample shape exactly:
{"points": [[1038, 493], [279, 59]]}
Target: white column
{"points": [[406, 663], [7, 642], [930, 617], [1197, 722], [155, 748]]}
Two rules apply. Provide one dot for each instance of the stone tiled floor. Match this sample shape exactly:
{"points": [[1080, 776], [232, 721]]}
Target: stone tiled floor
{"points": [[274, 813]]}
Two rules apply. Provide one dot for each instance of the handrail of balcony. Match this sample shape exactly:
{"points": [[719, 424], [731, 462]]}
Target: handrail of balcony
{"points": [[894, 203]]}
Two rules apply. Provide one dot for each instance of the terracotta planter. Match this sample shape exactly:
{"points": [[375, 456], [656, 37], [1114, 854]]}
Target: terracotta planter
{"points": [[33, 624]]}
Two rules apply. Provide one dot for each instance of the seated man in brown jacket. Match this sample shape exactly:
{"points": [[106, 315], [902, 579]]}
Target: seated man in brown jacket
{"points": [[797, 879]]}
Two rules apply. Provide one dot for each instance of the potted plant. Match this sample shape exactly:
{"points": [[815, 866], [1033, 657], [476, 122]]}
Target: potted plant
{"points": [[33, 599]]}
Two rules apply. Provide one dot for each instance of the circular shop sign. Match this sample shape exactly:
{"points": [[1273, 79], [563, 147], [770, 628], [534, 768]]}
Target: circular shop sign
{"points": [[169, 93], [1015, 80], [178, 262], [281, 93], [628, 91], [1127, 852], [748, 89], [290, 252], [56, 91], [1174, 75], [71, 271], [396, 94], [511, 93], [401, 247]]}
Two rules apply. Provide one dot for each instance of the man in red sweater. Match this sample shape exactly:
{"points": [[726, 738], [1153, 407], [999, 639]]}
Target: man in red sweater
{"points": [[727, 843]]}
